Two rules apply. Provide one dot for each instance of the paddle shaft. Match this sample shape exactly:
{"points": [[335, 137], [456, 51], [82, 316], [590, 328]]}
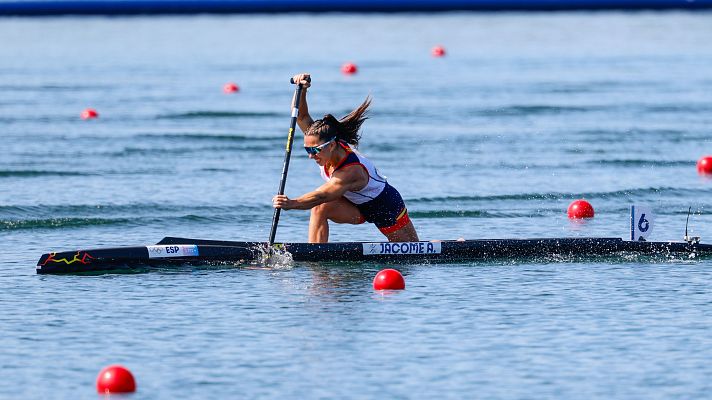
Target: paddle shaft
{"points": [[287, 156]]}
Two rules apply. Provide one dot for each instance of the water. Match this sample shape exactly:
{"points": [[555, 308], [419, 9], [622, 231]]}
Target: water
{"points": [[525, 113]]}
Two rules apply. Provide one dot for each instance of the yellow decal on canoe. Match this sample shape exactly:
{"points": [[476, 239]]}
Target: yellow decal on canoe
{"points": [[80, 257]]}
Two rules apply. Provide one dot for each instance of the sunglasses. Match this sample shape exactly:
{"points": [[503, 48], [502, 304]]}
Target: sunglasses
{"points": [[314, 150]]}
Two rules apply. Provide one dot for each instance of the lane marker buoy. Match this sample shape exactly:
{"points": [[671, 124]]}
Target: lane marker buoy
{"points": [[231, 87], [349, 68], [579, 209], [115, 379], [704, 165], [389, 279], [438, 51], [89, 113]]}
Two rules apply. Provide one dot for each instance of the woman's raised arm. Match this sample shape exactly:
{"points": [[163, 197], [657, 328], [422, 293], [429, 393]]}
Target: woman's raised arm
{"points": [[304, 120]]}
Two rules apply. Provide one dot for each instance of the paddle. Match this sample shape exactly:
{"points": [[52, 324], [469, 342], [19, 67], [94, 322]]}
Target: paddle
{"points": [[287, 155]]}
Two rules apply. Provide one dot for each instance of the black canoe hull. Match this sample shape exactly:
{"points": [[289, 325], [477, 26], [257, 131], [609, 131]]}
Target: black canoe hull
{"points": [[173, 250]]}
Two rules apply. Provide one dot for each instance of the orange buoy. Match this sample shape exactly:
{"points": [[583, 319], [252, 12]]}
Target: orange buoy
{"points": [[115, 379], [389, 279], [231, 87], [580, 209], [438, 51], [349, 68], [89, 113], [704, 165]]}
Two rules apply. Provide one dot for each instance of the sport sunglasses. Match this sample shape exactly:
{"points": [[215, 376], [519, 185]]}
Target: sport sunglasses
{"points": [[314, 150]]}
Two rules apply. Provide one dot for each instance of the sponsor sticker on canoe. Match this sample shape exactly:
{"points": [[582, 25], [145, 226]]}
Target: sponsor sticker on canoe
{"points": [[172, 250], [401, 248]]}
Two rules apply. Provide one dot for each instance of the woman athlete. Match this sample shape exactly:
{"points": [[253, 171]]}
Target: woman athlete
{"points": [[354, 191]]}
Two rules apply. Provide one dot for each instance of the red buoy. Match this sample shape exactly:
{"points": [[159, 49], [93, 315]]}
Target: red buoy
{"points": [[389, 279], [438, 51], [580, 209], [89, 113], [115, 379], [231, 87], [704, 165], [349, 68]]}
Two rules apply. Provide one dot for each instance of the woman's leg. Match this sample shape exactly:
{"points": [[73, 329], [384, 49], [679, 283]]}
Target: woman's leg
{"points": [[404, 234], [340, 211]]}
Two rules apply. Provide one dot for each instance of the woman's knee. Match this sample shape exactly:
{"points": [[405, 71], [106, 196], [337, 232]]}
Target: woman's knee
{"points": [[338, 212], [321, 211]]}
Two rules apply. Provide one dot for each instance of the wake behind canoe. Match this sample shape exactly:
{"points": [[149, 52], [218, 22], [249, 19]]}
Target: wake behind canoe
{"points": [[174, 250]]}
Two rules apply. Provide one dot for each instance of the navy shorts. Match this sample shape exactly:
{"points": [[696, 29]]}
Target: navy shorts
{"points": [[387, 211]]}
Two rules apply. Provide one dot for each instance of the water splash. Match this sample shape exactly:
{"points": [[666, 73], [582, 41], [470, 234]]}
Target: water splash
{"points": [[275, 257]]}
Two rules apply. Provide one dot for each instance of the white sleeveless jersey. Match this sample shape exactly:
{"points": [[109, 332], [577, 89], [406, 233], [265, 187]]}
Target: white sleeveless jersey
{"points": [[376, 182]]}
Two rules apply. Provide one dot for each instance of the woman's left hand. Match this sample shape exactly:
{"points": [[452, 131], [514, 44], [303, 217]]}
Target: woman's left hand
{"points": [[282, 201]]}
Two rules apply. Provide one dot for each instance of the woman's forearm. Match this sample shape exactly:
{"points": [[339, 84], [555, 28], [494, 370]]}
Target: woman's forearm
{"points": [[304, 120], [303, 106], [310, 200]]}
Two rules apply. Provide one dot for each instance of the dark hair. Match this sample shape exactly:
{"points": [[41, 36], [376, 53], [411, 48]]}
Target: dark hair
{"points": [[345, 130]]}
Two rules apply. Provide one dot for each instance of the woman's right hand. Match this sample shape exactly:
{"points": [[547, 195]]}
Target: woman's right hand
{"points": [[302, 79], [282, 201]]}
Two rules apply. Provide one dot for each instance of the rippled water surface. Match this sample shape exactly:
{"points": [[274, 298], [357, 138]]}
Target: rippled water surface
{"points": [[526, 113]]}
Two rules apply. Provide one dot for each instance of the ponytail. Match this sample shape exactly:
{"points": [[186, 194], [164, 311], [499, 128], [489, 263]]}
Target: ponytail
{"points": [[345, 130], [351, 123]]}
